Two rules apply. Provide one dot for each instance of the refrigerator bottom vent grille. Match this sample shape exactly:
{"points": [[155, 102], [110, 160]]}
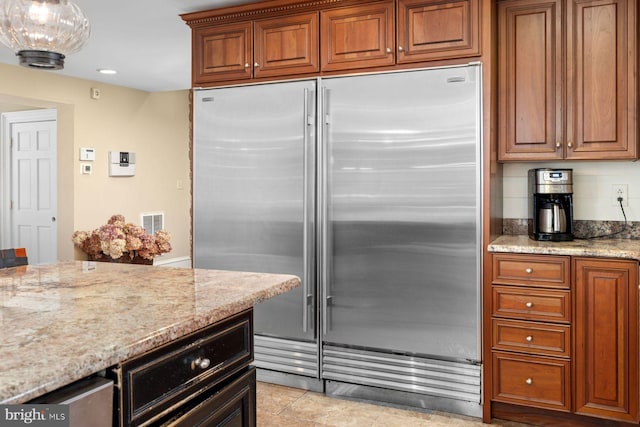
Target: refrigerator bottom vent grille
{"points": [[452, 380], [294, 357]]}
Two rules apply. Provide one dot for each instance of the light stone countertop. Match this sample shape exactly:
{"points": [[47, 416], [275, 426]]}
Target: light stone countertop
{"points": [[62, 322], [608, 248]]}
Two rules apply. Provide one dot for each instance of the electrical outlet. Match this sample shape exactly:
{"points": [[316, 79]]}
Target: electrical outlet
{"points": [[620, 190]]}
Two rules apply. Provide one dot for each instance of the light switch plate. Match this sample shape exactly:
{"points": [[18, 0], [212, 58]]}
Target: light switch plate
{"points": [[87, 154]]}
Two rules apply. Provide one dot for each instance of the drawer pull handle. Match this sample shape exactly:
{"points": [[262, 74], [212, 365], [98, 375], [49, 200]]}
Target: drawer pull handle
{"points": [[529, 304], [529, 270], [529, 338], [529, 381], [200, 362]]}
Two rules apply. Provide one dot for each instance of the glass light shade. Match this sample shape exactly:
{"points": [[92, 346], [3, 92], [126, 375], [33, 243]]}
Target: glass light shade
{"points": [[43, 32]]}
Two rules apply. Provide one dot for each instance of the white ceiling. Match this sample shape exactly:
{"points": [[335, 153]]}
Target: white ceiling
{"points": [[146, 41]]}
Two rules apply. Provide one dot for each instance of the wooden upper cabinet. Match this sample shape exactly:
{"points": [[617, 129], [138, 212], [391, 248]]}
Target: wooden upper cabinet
{"points": [[287, 45], [357, 37], [432, 29], [293, 38], [601, 50], [530, 80], [222, 52], [606, 338], [567, 85]]}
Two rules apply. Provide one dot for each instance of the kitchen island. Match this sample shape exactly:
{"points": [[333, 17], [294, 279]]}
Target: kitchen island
{"points": [[66, 321]]}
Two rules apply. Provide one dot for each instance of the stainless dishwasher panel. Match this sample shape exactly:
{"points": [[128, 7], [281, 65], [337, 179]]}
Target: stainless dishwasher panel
{"points": [[90, 402]]}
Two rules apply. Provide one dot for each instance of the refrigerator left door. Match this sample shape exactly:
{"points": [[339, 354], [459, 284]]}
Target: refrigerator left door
{"points": [[253, 195]]}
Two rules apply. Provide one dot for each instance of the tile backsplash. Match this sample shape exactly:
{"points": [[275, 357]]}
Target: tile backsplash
{"points": [[592, 189]]}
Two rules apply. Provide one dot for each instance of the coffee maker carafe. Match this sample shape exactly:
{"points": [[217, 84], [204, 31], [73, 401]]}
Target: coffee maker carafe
{"points": [[551, 204]]}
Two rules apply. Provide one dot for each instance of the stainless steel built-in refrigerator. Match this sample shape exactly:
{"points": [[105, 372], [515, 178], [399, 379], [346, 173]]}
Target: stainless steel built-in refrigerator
{"points": [[367, 187]]}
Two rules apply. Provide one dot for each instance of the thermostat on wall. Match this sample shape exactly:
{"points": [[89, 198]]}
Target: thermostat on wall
{"points": [[87, 154], [122, 163]]}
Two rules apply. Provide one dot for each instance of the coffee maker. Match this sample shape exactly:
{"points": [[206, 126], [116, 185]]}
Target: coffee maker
{"points": [[551, 204]]}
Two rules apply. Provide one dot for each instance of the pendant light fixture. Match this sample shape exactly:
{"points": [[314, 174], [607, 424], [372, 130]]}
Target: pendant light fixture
{"points": [[43, 32]]}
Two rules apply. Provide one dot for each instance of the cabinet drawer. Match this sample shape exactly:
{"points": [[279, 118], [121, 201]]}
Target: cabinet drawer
{"points": [[233, 405], [530, 337], [531, 304], [532, 270], [539, 382], [160, 380]]}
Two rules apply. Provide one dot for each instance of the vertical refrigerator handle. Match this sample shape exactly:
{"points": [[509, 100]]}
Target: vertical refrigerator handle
{"points": [[324, 209], [307, 298]]}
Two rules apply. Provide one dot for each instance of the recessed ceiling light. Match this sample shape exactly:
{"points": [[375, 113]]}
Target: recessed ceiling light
{"points": [[107, 71]]}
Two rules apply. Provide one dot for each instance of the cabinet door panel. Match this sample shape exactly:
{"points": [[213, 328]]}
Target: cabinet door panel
{"points": [[432, 29], [606, 338], [222, 53], [530, 80], [286, 45], [602, 51], [356, 37]]}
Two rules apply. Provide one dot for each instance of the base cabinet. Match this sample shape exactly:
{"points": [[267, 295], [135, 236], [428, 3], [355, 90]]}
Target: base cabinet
{"points": [[202, 379], [564, 339]]}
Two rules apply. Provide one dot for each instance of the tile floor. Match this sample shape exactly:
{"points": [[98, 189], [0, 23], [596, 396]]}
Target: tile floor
{"points": [[279, 406]]}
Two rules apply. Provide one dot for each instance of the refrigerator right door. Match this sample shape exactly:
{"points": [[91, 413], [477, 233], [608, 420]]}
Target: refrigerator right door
{"points": [[401, 204]]}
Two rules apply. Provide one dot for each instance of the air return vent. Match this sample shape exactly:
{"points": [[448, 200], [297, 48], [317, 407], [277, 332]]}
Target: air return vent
{"points": [[153, 221]]}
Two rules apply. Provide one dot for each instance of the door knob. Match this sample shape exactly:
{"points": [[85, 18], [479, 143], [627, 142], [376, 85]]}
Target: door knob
{"points": [[53, 219]]}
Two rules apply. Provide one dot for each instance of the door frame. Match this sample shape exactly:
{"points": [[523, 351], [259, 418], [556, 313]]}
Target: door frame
{"points": [[6, 122]]}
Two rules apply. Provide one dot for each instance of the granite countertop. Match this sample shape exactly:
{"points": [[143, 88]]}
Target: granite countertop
{"points": [[608, 248], [65, 321]]}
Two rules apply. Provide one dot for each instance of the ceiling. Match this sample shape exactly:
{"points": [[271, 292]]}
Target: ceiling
{"points": [[146, 41]]}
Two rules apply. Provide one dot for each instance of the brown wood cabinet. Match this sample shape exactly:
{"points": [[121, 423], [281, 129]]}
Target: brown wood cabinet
{"points": [[264, 48], [287, 45], [432, 29], [606, 338], [222, 52], [358, 37], [294, 38], [564, 339], [567, 83]]}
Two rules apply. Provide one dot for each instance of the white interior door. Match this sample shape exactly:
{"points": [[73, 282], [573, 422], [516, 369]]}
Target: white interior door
{"points": [[33, 197]]}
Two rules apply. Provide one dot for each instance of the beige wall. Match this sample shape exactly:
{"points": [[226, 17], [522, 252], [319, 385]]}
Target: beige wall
{"points": [[153, 125]]}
